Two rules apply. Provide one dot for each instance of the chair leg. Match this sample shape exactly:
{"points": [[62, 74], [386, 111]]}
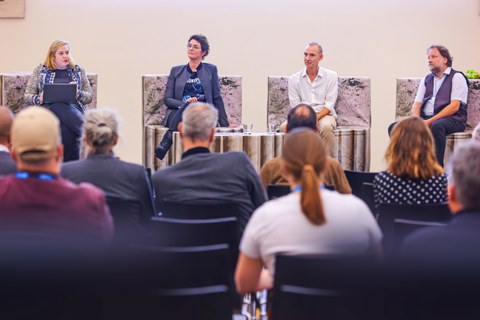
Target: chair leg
{"points": [[263, 304], [249, 306]]}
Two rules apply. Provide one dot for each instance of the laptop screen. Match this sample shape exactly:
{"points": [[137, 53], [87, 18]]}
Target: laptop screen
{"points": [[59, 92]]}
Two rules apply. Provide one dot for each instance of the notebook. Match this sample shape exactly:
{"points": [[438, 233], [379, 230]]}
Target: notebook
{"points": [[59, 92]]}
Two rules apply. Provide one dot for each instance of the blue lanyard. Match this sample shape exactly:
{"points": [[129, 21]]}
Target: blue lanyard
{"points": [[36, 175], [299, 188]]}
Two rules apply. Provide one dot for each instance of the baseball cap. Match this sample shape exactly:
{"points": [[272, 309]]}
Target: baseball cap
{"points": [[35, 134]]}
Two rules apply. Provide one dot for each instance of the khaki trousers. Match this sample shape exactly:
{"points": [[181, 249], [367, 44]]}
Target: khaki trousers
{"points": [[326, 125]]}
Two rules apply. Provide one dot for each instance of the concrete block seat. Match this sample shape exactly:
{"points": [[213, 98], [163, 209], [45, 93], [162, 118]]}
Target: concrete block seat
{"points": [[406, 91], [154, 109], [353, 107], [13, 84]]}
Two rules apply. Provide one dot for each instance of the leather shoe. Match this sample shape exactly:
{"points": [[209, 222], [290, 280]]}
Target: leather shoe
{"points": [[164, 146]]}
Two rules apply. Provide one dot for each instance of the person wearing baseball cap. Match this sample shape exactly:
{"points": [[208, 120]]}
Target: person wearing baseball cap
{"points": [[36, 199]]}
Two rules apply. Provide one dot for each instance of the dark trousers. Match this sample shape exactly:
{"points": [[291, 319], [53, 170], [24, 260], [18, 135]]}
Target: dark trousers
{"points": [[71, 122], [175, 117], [440, 129]]}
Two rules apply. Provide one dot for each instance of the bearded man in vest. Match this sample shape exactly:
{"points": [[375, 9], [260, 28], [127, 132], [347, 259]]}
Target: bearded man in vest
{"points": [[441, 98]]}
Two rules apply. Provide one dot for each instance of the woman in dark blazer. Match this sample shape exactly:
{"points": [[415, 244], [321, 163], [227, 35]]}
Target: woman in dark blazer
{"points": [[195, 81]]}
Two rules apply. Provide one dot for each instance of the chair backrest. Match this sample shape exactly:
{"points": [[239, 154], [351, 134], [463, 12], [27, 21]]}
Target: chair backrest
{"points": [[154, 86], [185, 282], [207, 223], [407, 89], [367, 195], [353, 102], [127, 222], [171, 209], [404, 227], [189, 232], [327, 286], [390, 216], [13, 85], [356, 180], [277, 190]]}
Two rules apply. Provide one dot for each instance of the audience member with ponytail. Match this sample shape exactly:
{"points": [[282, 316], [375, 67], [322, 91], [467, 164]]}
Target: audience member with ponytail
{"points": [[117, 178], [310, 220]]}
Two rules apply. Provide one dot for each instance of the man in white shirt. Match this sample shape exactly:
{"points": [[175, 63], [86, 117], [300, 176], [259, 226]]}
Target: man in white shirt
{"points": [[317, 87]]}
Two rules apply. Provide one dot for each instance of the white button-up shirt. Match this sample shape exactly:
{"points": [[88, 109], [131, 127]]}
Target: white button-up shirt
{"points": [[459, 91], [320, 93]]}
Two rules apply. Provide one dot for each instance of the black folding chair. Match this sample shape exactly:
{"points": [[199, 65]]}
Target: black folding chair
{"points": [[317, 286], [127, 222], [367, 195], [404, 227], [197, 232], [176, 283], [192, 232], [356, 180], [393, 218], [277, 190]]}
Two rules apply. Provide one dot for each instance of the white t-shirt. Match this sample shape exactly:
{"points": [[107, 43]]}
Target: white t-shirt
{"points": [[279, 226]]}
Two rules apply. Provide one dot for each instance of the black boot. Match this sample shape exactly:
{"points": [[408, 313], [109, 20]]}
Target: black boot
{"points": [[164, 146]]}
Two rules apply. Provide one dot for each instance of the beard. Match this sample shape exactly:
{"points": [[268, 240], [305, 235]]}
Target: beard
{"points": [[434, 69]]}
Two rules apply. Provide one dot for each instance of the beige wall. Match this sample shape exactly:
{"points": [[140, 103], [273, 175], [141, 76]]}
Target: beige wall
{"points": [[121, 40]]}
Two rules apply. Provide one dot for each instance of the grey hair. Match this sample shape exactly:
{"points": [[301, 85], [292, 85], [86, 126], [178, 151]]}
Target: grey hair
{"points": [[198, 119], [476, 133], [465, 171], [313, 43], [101, 128]]}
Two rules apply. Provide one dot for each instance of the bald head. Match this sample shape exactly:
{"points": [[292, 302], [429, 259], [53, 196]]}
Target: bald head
{"points": [[302, 115], [6, 120]]}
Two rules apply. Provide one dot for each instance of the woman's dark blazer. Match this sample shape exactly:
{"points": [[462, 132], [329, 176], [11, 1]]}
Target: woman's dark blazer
{"points": [[208, 75]]}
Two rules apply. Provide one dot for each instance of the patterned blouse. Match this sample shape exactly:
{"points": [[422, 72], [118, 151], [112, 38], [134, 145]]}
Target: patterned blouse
{"points": [[389, 188], [42, 75]]}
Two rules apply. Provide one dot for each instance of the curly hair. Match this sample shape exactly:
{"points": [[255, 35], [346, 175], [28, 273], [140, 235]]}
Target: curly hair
{"points": [[411, 153]]}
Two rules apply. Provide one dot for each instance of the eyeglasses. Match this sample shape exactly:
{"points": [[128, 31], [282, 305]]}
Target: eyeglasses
{"points": [[196, 47]]}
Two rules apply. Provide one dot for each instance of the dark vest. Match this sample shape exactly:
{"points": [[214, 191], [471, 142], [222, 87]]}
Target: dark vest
{"points": [[443, 96]]}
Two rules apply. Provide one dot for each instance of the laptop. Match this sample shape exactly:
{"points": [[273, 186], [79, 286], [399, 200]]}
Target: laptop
{"points": [[59, 92]]}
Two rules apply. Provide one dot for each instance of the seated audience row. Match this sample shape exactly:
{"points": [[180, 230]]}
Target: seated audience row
{"points": [[311, 220]]}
